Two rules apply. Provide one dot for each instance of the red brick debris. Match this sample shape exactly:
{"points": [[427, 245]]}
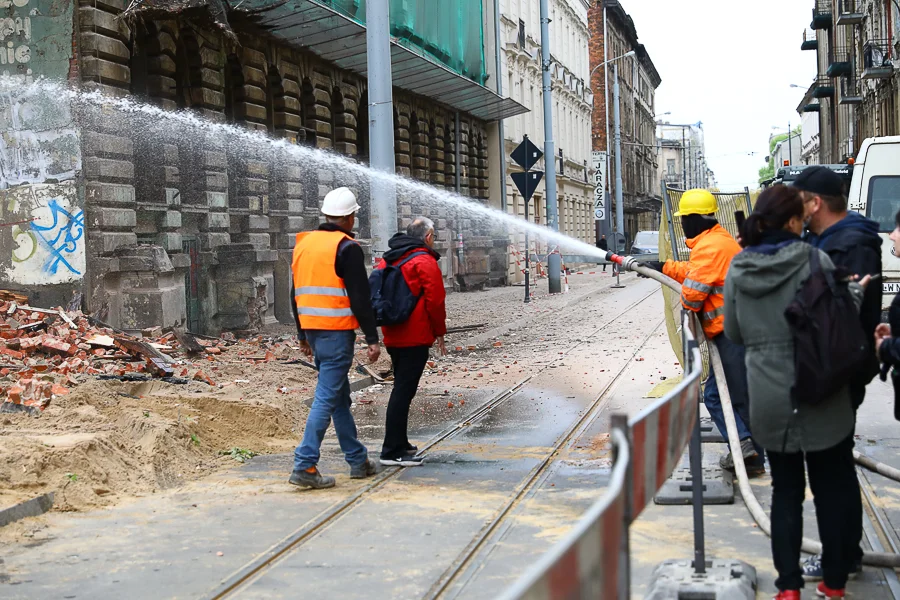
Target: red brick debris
{"points": [[45, 352]]}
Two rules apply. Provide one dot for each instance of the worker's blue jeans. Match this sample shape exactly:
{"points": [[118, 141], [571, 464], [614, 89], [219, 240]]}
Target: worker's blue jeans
{"points": [[333, 351], [736, 375]]}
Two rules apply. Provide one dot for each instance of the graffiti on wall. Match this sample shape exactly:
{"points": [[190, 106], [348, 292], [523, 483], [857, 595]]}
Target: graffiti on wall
{"points": [[46, 227], [35, 39]]}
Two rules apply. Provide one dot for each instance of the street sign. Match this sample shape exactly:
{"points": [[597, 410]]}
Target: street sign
{"points": [[526, 154], [599, 164], [527, 182]]}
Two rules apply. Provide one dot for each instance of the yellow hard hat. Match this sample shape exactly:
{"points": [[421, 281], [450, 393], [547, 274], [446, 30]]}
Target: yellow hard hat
{"points": [[697, 202]]}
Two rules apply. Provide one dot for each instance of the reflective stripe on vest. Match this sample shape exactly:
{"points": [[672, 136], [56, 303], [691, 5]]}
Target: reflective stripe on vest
{"points": [[709, 316], [689, 304], [702, 287], [320, 295]]}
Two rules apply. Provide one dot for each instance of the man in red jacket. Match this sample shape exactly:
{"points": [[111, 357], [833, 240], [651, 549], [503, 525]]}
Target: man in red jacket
{"points": [[409, 343]]}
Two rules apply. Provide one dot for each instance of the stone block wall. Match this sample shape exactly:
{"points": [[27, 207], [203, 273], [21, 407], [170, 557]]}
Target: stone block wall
{"points": [[226, 215]]}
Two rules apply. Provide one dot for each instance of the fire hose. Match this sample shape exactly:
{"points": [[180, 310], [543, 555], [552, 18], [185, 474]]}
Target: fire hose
{"points": [[875, 559]]}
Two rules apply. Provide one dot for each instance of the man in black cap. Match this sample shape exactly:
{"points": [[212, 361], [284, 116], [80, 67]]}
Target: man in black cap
{"points": [[852, 242]]}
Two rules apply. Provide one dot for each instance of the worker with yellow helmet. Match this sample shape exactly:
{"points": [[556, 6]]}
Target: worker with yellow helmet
{"points": [[702, 280]]}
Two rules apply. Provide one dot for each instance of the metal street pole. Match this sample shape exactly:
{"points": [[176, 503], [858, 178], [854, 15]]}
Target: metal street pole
{"points": [[790, 146], [620, 209], [554, 263], [383, 193], [500, 129], [683, 160]]}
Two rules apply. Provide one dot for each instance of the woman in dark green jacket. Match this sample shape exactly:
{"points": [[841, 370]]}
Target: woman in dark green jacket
{"points": [[762, 281]]}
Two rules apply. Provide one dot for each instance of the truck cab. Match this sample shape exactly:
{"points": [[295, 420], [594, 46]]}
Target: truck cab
{"points": [[875, 193]]}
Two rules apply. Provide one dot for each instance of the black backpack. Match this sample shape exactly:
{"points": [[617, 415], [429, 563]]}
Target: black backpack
{"points": [[830, 345], [392, 299]]}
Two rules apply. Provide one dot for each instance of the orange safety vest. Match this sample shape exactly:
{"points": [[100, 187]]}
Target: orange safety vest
{"points": [[321, 296], [702, 278]]}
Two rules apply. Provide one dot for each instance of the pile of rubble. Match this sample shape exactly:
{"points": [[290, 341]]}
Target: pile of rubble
{"points": [[45, 352]]}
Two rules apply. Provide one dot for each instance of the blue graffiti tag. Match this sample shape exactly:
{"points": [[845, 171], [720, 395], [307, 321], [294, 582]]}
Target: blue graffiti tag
{"points": [[61, 236]]}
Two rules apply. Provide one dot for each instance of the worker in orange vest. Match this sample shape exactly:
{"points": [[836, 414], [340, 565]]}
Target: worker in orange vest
{"points": [[702, 280], [330, 296]]}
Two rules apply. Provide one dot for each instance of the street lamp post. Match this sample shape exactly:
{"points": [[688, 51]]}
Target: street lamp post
{"points": [[620, 209]]}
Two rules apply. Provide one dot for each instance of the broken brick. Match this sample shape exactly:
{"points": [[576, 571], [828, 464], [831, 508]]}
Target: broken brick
{"points": [[54, 345], [201, 376], [12, 353], [213, 350]]}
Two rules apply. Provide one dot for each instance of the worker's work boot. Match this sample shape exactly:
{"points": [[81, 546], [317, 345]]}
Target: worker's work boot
{"points": [[748, 451], [367, 469], [311, 479]]}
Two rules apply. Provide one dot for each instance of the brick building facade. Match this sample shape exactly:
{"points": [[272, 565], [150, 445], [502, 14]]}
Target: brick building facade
{"points": [[613, 34], [185, 229]]}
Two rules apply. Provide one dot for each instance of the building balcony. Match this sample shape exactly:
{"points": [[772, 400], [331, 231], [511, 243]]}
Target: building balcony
{"points": [[849, 12], [822, 16], [810, 42], [877, 63], [851, 91], [427, 60], [823, 87], [811, 107], [840, 64]]}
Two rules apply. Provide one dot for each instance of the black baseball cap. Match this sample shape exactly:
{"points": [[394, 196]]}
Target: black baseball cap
{"points": [[819, 180]]}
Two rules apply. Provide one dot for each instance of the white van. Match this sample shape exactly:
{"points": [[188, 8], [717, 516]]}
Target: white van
{"points": [[875, 193]]}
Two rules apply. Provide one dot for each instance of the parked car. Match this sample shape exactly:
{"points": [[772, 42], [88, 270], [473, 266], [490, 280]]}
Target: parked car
{"points": [[646, 245], [875, 193]]}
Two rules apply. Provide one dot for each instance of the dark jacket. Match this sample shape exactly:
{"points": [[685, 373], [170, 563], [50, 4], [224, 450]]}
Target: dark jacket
{"points": [[428, 320], [603, 244], [854, 244], [350, 265], [889, 353], [760, 284]]}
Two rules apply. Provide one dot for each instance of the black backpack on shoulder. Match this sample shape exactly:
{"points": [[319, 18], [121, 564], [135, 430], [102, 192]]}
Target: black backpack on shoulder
{"points": [[829, 342], [392, 300]]}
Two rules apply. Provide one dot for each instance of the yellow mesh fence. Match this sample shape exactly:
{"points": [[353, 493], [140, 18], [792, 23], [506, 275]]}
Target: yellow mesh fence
{"points": [[728, 204]]}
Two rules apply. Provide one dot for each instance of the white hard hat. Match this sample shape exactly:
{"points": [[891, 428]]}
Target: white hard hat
{"points": [[340, 203]]}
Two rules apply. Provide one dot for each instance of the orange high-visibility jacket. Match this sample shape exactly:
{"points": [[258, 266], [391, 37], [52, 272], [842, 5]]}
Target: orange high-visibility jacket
{"points": [[702, 278], [321, 296]]}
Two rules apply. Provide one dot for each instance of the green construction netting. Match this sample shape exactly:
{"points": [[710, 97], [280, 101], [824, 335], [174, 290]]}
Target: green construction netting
{"points": [[728, 204], [449, 31]]}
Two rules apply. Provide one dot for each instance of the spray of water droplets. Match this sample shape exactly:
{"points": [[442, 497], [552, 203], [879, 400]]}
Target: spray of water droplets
{"points": [[152, 127]]}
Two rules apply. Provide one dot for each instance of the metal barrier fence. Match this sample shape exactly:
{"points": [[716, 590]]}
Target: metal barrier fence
{"points": [[592, 560]]}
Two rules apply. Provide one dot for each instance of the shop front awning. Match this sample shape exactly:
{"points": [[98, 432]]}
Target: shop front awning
{"points": [[339, 39]]}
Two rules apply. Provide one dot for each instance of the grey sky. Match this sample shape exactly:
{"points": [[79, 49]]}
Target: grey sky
{"points": [[730, 65]]}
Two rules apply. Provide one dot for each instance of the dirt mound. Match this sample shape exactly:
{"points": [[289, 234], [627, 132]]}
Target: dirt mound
{"points": [[110, 439]]}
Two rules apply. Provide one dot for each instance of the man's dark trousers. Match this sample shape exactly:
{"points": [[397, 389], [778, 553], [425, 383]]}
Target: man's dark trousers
{"points": [[409, 364]]}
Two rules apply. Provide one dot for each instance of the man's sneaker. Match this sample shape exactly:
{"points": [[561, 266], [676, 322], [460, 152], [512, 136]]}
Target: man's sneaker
{"points": [[787, 595], [823, 591], [311, 479], [403, 461], [412, 450], [367, 469], [812, 569]]}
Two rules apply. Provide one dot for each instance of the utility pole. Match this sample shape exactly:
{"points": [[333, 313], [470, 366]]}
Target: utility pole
{"points": [[554, 263], [383, 192], [790, 146], [620, 209], [683, 160]]}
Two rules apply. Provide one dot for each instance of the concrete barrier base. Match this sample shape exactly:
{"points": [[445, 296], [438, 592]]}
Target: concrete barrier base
{"points": [[724, 579]]}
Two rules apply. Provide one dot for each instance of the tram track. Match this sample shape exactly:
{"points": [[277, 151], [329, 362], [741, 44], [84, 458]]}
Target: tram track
{"points": [[243, 578], [878, 530]]}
